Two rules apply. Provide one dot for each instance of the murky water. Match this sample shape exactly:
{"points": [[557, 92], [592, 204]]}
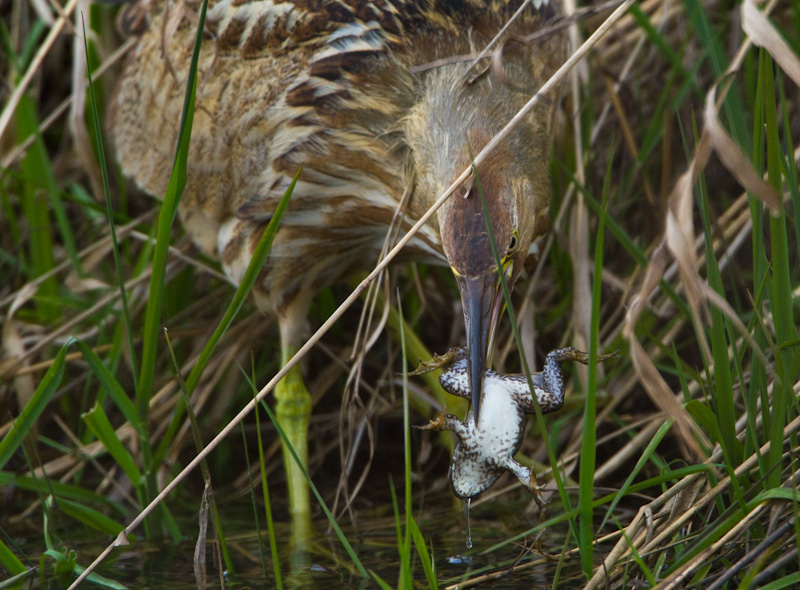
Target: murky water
{"points": [[149, 566]]}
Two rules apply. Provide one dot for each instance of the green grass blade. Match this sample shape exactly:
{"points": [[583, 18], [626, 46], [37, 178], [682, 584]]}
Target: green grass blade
{"points": [[113, 387], [700, 22], [10, 561], [398, 527], [34, 408], [91, 517], [98, 422], [428, 564], [334, 525], [152, 322], [64, 561], [723, 422], [781, 296], [663, 46], [405, 577], [16, 580], [260, 255], [589, 436], [40, 194], [672, 476], [273, 545], [198, 441], [177, 182], [101, 156], [512, 318], [638, 558], [101, 581], [706, 418], [59, 489], [381, 582], [415, 350], [790, 581], [169, 522], [254, 505], [643, 459]]}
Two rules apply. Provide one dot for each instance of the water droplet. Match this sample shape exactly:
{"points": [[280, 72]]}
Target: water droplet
{"points": [[466, 504]]}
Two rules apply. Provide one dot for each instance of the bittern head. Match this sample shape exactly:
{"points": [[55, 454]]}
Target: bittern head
{"points": [[506, 203], [453, 120]]}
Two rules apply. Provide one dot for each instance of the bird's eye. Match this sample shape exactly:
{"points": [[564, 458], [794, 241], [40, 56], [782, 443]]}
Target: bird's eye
{"points": [[513, 244]]}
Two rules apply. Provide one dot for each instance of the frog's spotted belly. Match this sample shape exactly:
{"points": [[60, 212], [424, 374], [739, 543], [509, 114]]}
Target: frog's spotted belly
{"points": [[473, 470]]}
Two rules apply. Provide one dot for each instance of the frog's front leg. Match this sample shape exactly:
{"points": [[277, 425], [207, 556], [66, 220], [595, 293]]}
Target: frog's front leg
{"points": [[455, 378]]}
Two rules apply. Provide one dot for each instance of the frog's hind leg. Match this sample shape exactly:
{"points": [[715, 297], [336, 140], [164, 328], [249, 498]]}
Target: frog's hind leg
{"points": [[548, 385], [551, 396], [527, 477]]}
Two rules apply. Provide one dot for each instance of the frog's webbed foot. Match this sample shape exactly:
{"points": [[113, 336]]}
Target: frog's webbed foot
{"points": [[438, 423], [438, 361], [536, 490], [572, 354], [528, 478]]}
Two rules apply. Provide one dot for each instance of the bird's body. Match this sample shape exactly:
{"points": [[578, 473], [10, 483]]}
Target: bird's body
{"points": [[325, 86], [336, 86]]}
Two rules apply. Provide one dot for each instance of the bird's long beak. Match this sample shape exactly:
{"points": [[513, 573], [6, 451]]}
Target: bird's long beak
{"points": [[479, 297]]}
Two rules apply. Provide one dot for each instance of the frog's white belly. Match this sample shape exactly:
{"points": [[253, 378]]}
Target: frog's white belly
{"points": [[499, 431], [485, 452]]}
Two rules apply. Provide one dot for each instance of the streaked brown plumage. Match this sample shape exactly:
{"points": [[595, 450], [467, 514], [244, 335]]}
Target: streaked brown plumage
{"points": [[331, 85]]}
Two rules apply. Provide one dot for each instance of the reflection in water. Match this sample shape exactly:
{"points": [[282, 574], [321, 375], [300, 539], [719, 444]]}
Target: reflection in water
{"points": [[459, 560]]}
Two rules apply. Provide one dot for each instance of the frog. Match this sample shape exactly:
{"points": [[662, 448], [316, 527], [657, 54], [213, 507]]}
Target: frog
{"points": [[486, 450]]}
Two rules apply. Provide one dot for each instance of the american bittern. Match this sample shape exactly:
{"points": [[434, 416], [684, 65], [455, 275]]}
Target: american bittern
{"points": [[335, 86]]}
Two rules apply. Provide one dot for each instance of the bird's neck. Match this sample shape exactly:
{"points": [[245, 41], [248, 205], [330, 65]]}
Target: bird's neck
{"points": [[441, 130]]}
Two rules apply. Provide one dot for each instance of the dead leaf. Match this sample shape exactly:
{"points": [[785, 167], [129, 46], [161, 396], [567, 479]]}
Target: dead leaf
{"points": [[648, 374], [122, 539], [666, 401], [735, 160], [82, 285], [763, 34], [14, 349], [200, 574], [22, 297], [655, 270]]}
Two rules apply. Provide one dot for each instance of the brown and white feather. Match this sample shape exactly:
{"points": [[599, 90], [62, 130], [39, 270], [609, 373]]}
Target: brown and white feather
{"points": [[329, 85]]}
